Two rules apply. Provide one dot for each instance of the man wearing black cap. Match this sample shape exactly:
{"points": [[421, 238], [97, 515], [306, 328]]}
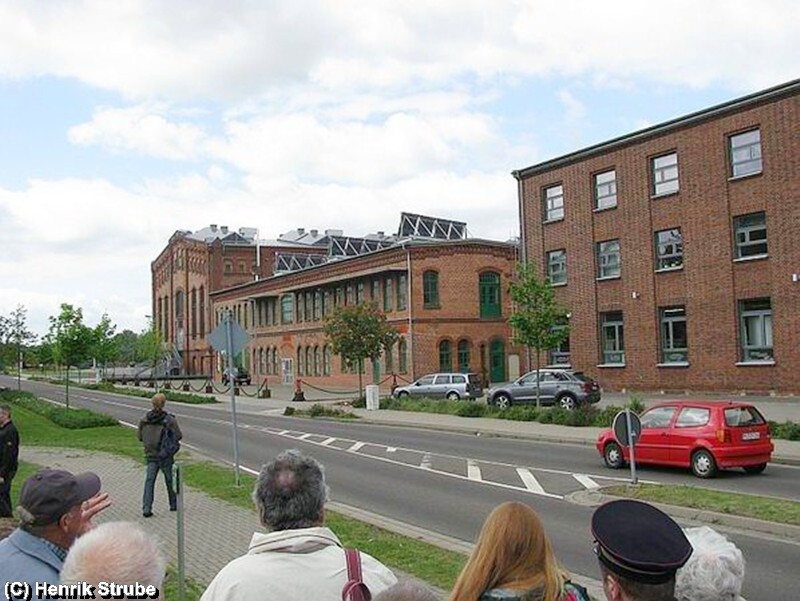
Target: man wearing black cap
{"points": [[55, 508], [640, 549], [9, 450]]}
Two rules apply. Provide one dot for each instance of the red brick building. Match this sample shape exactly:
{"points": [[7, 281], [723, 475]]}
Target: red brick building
{"points": [[446, 297], [675, 248], [195, 264]]}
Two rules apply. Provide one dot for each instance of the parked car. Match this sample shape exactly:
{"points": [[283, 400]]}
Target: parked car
{"points": [[703, 435], [451, 386], [562, 387], [240, 376]]}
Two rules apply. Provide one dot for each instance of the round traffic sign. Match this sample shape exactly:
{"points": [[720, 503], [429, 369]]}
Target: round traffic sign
{"points": [[620, 427]]}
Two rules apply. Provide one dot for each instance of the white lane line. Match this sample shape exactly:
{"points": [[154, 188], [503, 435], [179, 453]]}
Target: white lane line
{"points": [[304, 436], [391, 449], [426, 462], [283, 432], [127, 424], [473, 471], [356, 447], [530, 481], [327, 441], [586, 481]]}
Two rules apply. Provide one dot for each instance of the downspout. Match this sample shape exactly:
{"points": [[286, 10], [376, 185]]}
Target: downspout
{"points": [[523, 248], [410, 303]]}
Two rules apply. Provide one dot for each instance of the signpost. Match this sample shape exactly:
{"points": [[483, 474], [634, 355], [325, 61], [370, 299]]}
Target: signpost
{"points": [[627, 428], [177, 479], [229, 337]]}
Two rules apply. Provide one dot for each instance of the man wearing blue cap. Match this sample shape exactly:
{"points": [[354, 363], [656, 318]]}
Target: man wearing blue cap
{"points": [[55, 508], [640, 549]]}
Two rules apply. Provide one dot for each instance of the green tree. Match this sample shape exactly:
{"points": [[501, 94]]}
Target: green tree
{"points": [[72, 340], [151, 347], [104, 344], [16, 337], [127, 341], [538, 322], [357, 332]]}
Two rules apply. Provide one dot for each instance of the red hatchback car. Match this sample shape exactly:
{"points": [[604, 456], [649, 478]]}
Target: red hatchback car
{"points": [[705, 436]]}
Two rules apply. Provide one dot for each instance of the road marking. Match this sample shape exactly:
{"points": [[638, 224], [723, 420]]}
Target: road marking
{"points": [[304, 436], [356, 447], [473, 471], [530, 481], [391, 449], [426, 462], [586, 481], [127, 424], [283, 432], [327, 441]]}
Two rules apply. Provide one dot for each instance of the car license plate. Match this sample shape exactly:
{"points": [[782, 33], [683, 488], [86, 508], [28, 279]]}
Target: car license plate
{"points": [[751, 435]]}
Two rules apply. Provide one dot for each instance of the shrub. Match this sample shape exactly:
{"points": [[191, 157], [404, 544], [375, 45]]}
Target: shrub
{"points": [[787, 430], [73, 419], [635, 403], [520, 413], [288, 411], [467, 409]]}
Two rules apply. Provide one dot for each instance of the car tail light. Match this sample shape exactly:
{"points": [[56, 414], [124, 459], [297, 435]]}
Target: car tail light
{"points": [[588, 386], [723, 435]]}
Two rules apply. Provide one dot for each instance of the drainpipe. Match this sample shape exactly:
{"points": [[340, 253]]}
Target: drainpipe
{"points": [[410, 303], [523, 248]]}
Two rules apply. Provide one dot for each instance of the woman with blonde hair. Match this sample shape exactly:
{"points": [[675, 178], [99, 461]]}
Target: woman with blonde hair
{"points": [[513, 561]]}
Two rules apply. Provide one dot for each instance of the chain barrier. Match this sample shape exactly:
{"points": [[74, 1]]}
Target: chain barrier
{"points": [[202, 386], [303, 382]]}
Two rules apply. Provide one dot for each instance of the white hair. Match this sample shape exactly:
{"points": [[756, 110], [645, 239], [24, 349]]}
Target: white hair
{"points": [[119, 552], [406, 590], [714, 572]]}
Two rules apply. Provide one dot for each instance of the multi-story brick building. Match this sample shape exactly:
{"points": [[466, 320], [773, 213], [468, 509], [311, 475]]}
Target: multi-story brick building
{"points": [[446, 297], [192, 266], [675, 248]]}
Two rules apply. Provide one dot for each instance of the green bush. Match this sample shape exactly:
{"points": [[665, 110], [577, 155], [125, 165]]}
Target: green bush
{"points": [[288, 411], [73, 419], [320, 410], [787, 430], [635, 403], [470, 409]]}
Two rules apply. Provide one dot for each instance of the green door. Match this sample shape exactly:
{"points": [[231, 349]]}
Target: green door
{"points": [[497, 361], [489, 284]]}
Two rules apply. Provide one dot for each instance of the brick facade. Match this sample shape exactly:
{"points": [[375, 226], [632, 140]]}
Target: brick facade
{"points": [[455, 319], [713, 282]]}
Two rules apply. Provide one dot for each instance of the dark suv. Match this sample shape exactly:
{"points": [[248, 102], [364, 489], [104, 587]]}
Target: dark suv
{"points": [[241, 376], [562, 387]]}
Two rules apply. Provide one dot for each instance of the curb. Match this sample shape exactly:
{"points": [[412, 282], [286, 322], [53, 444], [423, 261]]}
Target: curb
{"points": [[537, 436], [788, 532]]}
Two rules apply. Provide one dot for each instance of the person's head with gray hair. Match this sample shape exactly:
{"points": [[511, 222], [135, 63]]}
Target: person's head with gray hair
{"points": [[406, 590], [291, 493], [119, 552], [714, 572]]}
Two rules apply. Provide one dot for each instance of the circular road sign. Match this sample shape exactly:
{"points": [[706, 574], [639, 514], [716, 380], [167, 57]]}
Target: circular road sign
{"points": [[620, 427]]}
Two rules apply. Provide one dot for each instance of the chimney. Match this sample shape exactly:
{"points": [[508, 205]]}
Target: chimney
{"points": [[213, 227], [380, 235], [314, 233], [224, 229]]}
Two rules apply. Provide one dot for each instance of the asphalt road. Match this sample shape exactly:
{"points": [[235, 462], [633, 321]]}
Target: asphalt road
{"points": [[448, 482]]}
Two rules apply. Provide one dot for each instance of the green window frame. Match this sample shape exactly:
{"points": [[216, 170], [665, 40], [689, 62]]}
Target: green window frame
{"points": [[430, 290], [489, 284], [445, 356], [463, 356]]}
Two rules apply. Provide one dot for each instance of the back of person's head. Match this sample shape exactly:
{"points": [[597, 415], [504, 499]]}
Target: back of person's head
{"points": [[406, 590], [714, 572], [119, 552], [158, 401], [512, 551], [291, 493]]}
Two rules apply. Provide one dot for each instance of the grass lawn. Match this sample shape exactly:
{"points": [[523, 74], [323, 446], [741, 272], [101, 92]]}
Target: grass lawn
{"points": [[425, 561], [763, 508]]}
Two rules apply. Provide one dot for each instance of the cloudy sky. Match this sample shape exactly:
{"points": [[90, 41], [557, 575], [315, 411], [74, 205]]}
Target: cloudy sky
{"points": [[122, 121]]}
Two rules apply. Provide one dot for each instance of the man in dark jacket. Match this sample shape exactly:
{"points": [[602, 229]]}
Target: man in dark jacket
{"points": [[151, 432], [9, 451]]}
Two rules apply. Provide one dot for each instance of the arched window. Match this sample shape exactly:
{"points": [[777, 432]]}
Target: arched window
{"points": [[430, 290], [402, 352], [445, 356], [326, 368], [301, 360], [310, 361], [463, 356], [317, 361], [389, 360], [489, 285]]}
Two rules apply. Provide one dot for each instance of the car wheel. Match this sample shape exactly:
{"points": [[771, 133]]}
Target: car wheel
{"points": [[453, 396], [755, 469], [502, 401], [568, 402], [612, 455], [703, 464], [402, 394]]}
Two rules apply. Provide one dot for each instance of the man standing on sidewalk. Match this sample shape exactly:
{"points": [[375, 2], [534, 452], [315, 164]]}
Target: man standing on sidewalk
{"points": [[159, 433], [9, 451]]}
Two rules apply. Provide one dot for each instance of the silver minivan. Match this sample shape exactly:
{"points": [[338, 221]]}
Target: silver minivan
{"points": [[451, 386]]}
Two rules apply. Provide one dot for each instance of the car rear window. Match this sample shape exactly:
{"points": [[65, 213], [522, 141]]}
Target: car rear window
{"points": [[691, 417], [579, 375], [743, 416], [474, 379], [459, 379]]}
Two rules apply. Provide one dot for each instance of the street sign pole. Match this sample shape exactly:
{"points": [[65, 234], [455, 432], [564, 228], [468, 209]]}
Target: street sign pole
{"points": [[631, 446], [177, 479], [232, 383]]}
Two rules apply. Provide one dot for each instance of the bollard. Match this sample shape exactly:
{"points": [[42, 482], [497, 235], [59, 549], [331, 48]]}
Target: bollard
{"points": [[186, 387], [167, 384], [209, 389], [298, 392], [235, 390]]}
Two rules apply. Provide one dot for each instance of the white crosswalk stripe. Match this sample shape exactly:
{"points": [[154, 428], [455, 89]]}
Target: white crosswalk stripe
{"points": [[530, 481], [356, 447], [473, 471], [426, 461], [586, 481], [327, 441]]}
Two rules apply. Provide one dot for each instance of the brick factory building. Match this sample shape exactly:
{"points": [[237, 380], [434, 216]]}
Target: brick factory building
{"points": [[446, 295], [675, 248]]}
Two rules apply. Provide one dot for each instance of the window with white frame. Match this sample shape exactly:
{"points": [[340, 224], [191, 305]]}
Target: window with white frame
{"points": [[755, 322], [605, 190], [560, 355], [557, 266], [674, 341], [751, 235], [608, 259], [553, 203], [665, 174], [612, 336], [669, 249], [745, 153]]}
